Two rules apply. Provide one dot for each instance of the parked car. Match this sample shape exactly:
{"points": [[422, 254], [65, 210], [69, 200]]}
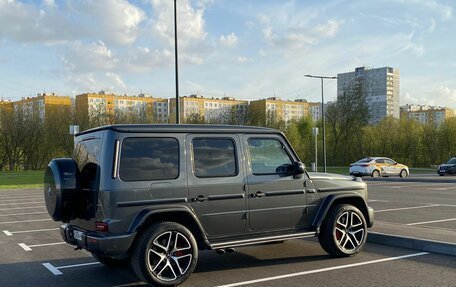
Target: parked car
{"points": [[378, 166], [447, 168], [153, 195]]}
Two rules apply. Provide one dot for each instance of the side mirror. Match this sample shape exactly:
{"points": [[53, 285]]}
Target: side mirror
{"points": [[299, 168]]}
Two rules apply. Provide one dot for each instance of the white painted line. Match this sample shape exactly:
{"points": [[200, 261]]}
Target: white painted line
{"points": [[56, 270], [440, 188], [51, 268], [29, 231], [28, 213], [407, 208], [46, 244], [7, 233], [21, 199], [78, 265], [433, 221], [35, 202], [22, 221], [377, 200], [37, 206], [23, 196], [25, 247], [322, 270]]}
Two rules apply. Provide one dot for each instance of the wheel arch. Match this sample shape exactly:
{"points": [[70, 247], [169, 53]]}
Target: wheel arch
{"points": [[351, 198], [181, 215]]}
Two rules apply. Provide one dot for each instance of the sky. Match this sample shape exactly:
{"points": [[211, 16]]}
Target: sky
{"points": [[247, 49]]}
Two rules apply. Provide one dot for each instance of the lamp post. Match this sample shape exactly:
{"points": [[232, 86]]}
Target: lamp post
{"points": [[176, 63], [322, 114], [315, 134]]}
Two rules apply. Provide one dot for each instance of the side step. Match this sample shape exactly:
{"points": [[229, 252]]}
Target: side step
{"points": [[252, 241]]}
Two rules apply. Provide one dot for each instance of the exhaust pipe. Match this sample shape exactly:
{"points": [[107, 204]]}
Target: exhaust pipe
{"points": [[220, 251], [230, 250]]}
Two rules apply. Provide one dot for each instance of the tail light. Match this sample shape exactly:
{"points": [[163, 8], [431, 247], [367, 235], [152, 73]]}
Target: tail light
{"points": [[101, 226]]}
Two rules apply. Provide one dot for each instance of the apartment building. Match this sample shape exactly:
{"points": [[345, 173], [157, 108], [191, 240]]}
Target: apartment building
{"points": [[380, 89], [427, 114], [214, 110], [102, 103], [42, 105], [266, 111], [315, 111]]}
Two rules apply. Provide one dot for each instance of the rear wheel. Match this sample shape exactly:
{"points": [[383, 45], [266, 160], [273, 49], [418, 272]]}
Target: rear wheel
{"points": [[165, 254], [403, 173], [344, 231], [375, 173]]}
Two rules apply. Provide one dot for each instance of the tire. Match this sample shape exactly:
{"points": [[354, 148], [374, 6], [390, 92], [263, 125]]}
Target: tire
{"points": [[403, 173], [165, 254], [108, 261], [375, 173], [441, 174], [344, 231]]}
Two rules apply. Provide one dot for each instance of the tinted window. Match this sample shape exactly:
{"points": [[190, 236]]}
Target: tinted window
{"points": [[149, 159], [364, 160], [214, 157], [452, 161], [268, 156], [380, 160], [87, 156]]}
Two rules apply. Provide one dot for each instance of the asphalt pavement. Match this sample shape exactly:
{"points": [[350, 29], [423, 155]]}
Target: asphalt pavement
{"points": [[33, 254]]}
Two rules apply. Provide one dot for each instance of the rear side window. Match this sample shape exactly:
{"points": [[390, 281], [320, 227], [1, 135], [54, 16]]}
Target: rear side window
{"points": [[144, 159], [268, 156], [214, 157]]}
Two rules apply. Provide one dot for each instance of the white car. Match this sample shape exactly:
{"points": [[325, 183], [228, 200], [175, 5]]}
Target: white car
{"points": [[378, 166]]}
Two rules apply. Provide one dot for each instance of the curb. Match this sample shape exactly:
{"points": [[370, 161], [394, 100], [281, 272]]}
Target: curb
{"points": [[433, 246], [409, 180]]}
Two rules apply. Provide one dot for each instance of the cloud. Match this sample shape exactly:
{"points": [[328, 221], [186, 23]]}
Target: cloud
{"points": [[79, 57], [229, 40], [329, 29], [94, 82], [242, 59], [116, 21], [447, 94]]}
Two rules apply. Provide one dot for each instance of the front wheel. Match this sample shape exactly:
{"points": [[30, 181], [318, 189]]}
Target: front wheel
{"points": [[344, 231], [165, 254], [375, 173], [403, 173]]}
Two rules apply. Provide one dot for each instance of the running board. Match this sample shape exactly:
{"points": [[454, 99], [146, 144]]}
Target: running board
{"points": [[262, 240]]}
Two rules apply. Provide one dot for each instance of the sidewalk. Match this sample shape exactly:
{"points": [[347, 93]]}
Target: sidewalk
{"points": [[425, 239]]}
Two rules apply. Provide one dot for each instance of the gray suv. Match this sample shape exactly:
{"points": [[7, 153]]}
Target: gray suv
{"points": [[154, 195]]}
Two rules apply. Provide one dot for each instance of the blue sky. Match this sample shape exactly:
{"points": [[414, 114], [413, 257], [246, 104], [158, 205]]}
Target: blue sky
{"points": [[246, 49]]}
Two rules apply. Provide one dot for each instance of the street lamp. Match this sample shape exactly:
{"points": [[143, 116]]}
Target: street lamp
{"points": [[176, 63], [322, 114]]}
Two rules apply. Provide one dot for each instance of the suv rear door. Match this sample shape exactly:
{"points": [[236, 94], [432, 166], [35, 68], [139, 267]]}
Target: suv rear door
{"points": [[277, 201], [216, 183]]}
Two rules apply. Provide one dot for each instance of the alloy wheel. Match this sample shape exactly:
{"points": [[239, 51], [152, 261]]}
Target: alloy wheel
{"points": [[169, 256], [349, 231]]}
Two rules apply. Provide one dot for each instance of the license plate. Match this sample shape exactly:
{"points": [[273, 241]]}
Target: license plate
{"points": [[442, 170], [77, 235]]}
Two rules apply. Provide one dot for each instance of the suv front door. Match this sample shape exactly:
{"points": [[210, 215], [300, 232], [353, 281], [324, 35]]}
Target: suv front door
{"points": [[277, 201]]}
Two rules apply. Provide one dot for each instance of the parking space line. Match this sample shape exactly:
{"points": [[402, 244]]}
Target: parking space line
{"points": [[22, 196], [377, 200], [22, 203], [56, 270], [323, 270], [23, 221], [26, 207], [27, 213], [433, 221], [407, 208], [11, 233], [21, 199], [29, 247]]}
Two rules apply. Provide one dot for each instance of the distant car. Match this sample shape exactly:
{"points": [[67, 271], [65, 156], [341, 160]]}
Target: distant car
{"points": [[447, 168], [378, 166]]}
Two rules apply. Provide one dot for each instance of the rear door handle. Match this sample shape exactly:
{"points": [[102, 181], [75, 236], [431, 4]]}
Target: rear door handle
{"points": [[200, 198], [258, 194]]}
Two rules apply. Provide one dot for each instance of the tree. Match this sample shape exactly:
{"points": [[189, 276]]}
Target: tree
{"points": [[345, 119], [195, 118]]}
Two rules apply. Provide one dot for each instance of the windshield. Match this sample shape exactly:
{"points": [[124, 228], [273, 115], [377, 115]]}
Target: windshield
{"points": [[452, 161]]}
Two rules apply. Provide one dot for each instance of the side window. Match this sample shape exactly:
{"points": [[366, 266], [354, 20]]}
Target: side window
{"points": [[268, 156], [389, 161], [144, 159], [87, 156], [380, 160], [214, 157]]}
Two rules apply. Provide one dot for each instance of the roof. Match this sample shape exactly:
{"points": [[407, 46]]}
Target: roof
{"points": [[168, 128]]}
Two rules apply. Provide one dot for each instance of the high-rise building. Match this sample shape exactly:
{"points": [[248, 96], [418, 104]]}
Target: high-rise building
{"points": [[427, 114], [42, 105], [272, 109], [226, 110], [380, 88], [94, 104]]}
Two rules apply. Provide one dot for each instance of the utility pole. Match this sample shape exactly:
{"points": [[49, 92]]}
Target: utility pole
{"points": [[322, 114], [176, 63]]}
